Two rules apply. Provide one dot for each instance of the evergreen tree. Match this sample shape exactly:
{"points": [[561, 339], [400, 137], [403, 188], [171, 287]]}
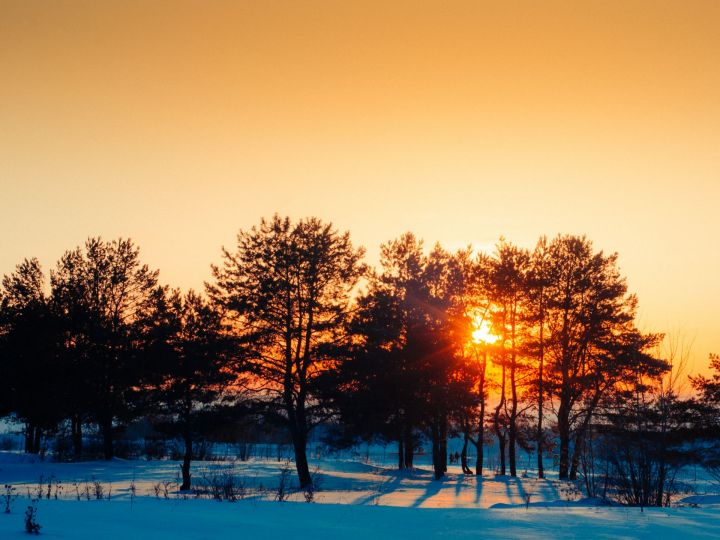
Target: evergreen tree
{"points": [[107, 299], [288, 288], [195, 368], [29, 342]]}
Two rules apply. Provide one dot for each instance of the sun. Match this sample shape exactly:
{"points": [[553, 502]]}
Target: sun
{"points": [[482, 333]]}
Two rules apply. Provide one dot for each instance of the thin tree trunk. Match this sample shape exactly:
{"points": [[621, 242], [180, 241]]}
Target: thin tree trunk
{"points": [[107, 435], [514, 406], [463, 453], [540, 434], [578, 445], [436, 451], [29, 438], [409, 447], [37, 440], [564, 436], [443, 443], [76, 433], [498, 429], [185, 468], [481, 421], [480, 443]]}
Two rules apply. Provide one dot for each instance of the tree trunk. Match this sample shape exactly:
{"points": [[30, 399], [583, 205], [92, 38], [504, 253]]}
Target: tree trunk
{"points": [[409, 444], [540, 434], [76, 434], [577, 449], [564, 436], [443, 443], [463, 455], [37, 440], [401, 454], [439, 446], [436, 459], [185, 467], [498, 429], [481, 420], [107, 435], [512, 439], [512, 435], [29, 438], [301, 462]]}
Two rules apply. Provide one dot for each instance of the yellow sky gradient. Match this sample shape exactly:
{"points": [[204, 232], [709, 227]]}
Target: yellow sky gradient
{"points": [[176, 123]]}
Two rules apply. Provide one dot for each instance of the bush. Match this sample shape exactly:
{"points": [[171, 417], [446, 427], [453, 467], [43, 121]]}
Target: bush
{"points": [[31, 523], [224, 485], [8, 497], [283, 489]]}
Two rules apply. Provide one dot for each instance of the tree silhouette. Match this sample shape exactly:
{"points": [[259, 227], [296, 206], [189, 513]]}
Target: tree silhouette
{"points": [[288, 288], [587, 309], [195, 368], [107, 298], [29, 340]]}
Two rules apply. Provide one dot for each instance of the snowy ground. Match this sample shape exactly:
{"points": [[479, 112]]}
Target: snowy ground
{"points": [[356, 500]]}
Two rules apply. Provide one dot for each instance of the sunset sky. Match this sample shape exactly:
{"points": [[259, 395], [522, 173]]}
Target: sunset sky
{"points": [[177, 123]]}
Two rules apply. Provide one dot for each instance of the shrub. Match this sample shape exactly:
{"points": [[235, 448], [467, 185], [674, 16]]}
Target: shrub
{"points": [[8, 497], [31, 523], [283, 489]]}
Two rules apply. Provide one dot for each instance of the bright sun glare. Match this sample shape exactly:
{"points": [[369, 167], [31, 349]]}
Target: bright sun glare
{"points": [[482, 333]]}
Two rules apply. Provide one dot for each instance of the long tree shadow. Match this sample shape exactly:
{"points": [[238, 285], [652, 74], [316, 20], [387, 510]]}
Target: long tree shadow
{"points": [[462, 481], [432, 489], [382, 488], [478, 488]]}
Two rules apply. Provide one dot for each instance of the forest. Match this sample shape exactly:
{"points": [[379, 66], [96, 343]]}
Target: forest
{"points": [[529, 350]]}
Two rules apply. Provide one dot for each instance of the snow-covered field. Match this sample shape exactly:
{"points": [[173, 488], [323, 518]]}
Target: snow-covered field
{"points": [[356, 500]]}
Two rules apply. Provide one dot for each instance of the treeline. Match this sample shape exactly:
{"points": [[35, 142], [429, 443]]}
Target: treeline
{"points": [[536, 349]]}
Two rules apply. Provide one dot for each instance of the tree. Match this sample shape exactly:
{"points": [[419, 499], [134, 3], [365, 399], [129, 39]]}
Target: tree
{"points": [[369, 389], [29, 352], [587, 310], [107, 299], [708, 388], [508, 285], [288, 289], [649, 434], [708, 424], [196, 369], [537, 286], [403, 372], [447, 391]]}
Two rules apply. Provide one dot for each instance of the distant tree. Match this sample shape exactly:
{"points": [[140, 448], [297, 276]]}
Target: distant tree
{"points": [[708, 388], [107, 299], [195, 371], [288, 288], [708, 423], [29, 366]]}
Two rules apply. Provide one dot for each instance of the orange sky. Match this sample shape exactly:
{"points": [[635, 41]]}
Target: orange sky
{"points": [[176, 123]]}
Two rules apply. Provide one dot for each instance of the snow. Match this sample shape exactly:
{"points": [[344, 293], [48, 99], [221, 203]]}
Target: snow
{"points": [[357, 500]]}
